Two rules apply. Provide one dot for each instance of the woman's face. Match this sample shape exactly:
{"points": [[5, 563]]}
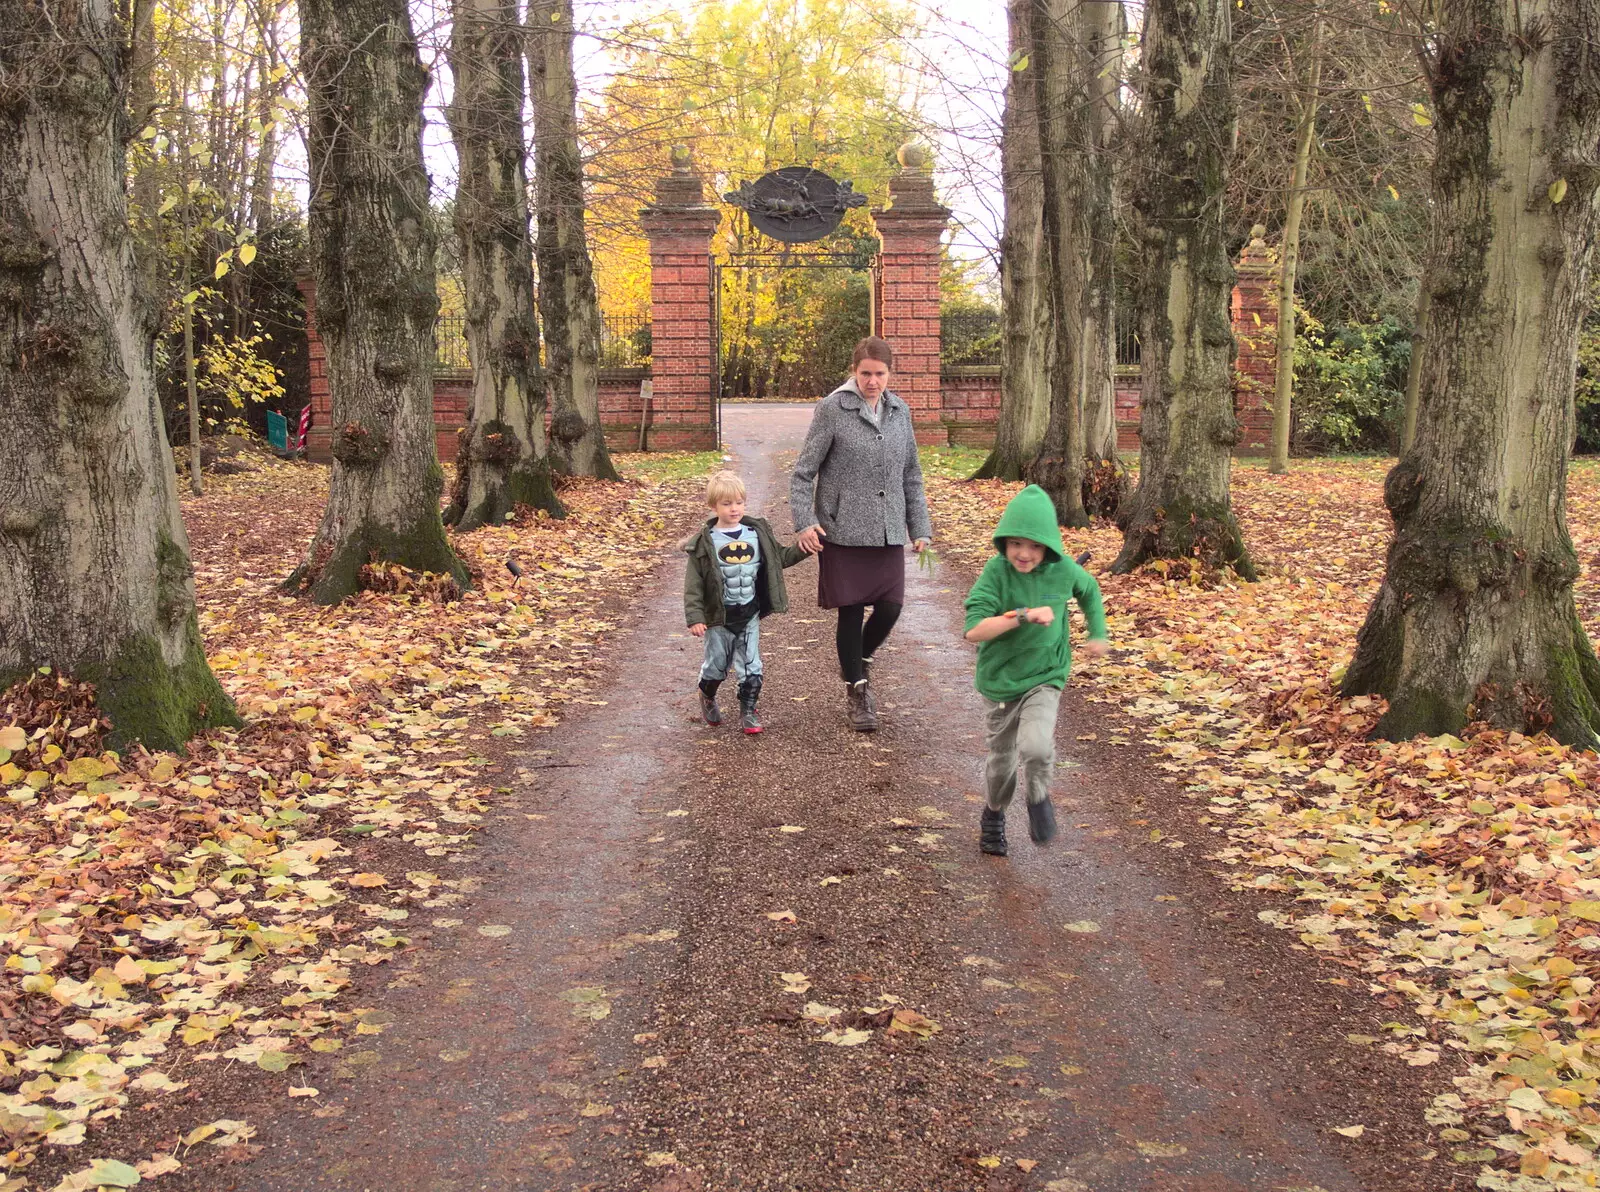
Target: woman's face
{"points": [[872, 378]]}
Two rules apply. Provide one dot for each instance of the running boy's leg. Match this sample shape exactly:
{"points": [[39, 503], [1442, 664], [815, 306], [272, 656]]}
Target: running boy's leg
{"points": [[1036, 740], [1000, 771]]}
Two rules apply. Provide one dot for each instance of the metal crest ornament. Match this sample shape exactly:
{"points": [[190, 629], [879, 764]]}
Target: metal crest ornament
{"points": [[796, 204]]}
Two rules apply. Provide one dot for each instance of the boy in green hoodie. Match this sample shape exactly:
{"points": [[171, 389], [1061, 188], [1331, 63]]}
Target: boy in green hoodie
{"points": [[1017, 613]]}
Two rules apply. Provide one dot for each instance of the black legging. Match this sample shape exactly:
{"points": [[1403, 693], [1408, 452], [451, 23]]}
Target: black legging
{"points": [[857, 641]]}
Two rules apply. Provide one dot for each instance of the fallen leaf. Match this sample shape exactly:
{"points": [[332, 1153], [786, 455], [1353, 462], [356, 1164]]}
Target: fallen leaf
{"points": [[1350, 1131], [782, 916], [1082, 927]]}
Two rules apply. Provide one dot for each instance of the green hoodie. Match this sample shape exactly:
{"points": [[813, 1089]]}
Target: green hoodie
{"points": [[1030, 655]]}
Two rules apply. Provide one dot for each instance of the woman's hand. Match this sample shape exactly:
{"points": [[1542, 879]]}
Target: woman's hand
{"points": [[1042, 615], [699, 630], [920, 545], [810, 539], [1097, 647]]}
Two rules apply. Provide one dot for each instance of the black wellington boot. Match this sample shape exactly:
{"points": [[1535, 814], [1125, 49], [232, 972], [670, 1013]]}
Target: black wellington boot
{"points": [[708, 701], [992, 832], [749, 693], [1042, 821]]}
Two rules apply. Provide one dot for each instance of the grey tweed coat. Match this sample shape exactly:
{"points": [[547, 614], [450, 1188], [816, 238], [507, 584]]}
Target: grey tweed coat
{"points": [[861, 481]]}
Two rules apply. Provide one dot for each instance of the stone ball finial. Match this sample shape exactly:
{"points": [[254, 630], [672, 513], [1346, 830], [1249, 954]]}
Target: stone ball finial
{"points": [[682, 159], [1258, 233], [914, 157]]}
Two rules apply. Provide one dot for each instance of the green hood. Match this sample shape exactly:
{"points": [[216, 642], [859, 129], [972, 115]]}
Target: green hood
{"points": [[1032, 515]]}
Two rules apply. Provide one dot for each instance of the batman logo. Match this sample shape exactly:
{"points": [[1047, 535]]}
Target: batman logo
{"points": [[737, 552]]}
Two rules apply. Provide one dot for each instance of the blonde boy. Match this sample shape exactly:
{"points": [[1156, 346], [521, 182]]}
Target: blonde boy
{"points": [[734, 578]]}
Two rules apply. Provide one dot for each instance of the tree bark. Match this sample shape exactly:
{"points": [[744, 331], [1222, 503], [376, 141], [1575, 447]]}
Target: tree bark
{"points": [[1419, 337], [1060, 70], [372, 248], [95, 578], [1104, 25], [505, 454], [1475, 618], [1027, 331], [1289, 260], [1181, 508], [567, 299]]}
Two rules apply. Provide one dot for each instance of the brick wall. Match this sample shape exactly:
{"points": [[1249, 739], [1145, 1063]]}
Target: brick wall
{"points": [[971, 405]]}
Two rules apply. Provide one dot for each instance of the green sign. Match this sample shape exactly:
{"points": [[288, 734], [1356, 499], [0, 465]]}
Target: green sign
{"points": [[278, 430]]}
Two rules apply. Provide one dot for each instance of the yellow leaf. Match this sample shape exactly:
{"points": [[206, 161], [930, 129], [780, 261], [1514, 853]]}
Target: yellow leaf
{"points": [[989, 1161], [369, 879], [222, 270], [1558, 190], [12, 738], [247, 253], [1350, 1131]]}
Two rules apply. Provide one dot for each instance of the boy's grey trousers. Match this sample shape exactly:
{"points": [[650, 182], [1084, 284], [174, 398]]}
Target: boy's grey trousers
{"points": [[1022, 738]]}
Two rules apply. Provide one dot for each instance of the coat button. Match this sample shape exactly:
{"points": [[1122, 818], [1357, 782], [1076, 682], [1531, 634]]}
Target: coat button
{"points": [[880, 438], [881, 493]]}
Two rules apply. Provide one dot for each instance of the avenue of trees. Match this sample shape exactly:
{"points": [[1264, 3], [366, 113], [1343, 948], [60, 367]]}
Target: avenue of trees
{"points": [[1430, 171]]}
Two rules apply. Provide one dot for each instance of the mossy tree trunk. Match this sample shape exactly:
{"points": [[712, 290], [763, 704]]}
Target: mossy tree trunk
{"points": [[95, 578], [1187, 427], [1475, 618], [1060, 76], [567, 298], [1104, 25], [1027, 332], [372, 249], [505, 453]]}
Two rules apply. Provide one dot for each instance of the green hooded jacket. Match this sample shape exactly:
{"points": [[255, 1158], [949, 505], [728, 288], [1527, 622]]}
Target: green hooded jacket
{"points": [[1029, 656]]}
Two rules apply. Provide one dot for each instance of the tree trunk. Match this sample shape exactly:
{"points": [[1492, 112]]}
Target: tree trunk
{"points": [[1289, 260], [372, 246], [505, 455], [1060, 69], [1187, 427], [95, 578], [1027, 332], [1419, 337], [566, 277], [1104, 25], [1475, 618]]}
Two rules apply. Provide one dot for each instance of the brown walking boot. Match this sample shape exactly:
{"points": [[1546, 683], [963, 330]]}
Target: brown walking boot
{"points": [[859, 709]]}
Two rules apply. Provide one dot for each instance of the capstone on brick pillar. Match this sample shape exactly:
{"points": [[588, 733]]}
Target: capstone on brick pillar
{"points": [[680, 225], [910, 230], [1255, 331]]}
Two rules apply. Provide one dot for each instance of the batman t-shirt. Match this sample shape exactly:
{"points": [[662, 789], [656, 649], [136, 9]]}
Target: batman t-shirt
{"points": [[738, 553]]}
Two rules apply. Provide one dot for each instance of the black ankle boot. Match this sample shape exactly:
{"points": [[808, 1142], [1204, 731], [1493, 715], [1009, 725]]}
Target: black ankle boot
{"points": [[749, 693], [708, 701], [992, 832], [1042, 821]]}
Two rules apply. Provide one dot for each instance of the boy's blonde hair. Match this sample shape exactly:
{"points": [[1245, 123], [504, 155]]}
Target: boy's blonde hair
{"points": [[723, 486]]}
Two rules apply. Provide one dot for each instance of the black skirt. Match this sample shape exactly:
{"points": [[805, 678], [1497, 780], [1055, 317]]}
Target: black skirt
{"points": [[860, 575]]}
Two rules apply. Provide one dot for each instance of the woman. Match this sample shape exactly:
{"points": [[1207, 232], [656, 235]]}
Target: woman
{"points": [[857, 500]]}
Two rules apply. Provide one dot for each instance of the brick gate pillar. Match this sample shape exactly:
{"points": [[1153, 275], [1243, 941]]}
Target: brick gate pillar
{"points": [[683, 372], [319, 441], [906, 301], [1255, 331]]}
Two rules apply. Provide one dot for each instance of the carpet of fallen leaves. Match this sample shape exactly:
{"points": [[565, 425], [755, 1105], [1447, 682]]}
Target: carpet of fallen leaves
{"points": [[1457, 876], [160, 913]]}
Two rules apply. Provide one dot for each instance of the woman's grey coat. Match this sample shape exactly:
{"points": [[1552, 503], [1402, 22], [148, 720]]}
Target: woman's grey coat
{"points": [[860, 480]]}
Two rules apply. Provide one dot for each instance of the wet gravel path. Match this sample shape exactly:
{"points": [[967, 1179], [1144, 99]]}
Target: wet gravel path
{"points": [[631, 1030]]}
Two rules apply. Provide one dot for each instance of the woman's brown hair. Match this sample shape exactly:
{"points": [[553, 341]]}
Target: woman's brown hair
{"points": [[873, 348]]}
